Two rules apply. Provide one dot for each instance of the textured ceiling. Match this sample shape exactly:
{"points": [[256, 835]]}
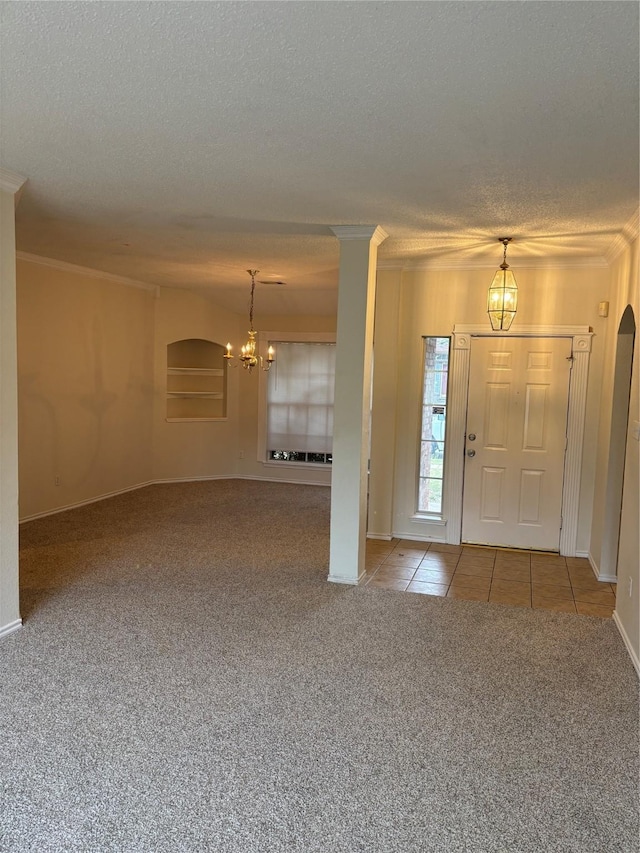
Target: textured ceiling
{"points": [[179, 143]]}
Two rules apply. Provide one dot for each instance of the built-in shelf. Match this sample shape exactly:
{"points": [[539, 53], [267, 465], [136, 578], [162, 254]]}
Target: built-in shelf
{"points": [[215, 395], [207, 371], [196, 381]]}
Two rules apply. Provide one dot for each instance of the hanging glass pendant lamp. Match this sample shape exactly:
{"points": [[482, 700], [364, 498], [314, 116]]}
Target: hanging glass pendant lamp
{"points": [[502, 302]]}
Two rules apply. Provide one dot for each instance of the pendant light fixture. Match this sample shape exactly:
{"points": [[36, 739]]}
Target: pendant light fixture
{"points": [[502, 302], [248, 357]]}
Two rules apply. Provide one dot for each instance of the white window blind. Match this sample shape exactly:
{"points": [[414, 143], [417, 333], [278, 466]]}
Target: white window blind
{"points": [[300, 389]]}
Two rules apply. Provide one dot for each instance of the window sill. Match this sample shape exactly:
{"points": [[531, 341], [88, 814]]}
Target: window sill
{"points": [[429, 519], [314, 466]]}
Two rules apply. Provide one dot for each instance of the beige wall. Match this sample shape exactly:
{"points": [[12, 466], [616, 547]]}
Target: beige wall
{"points": [[85, 350], [9, 605], [625, 290], [431, 303], [197, 449]]}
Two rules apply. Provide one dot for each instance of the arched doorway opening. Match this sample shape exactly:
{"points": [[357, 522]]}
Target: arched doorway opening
{"points": [[617, 445]]}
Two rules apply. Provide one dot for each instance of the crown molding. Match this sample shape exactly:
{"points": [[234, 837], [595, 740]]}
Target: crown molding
{"points": [[373, 233], [10, 182], [524, 263], [628, 234], [53, 263]]}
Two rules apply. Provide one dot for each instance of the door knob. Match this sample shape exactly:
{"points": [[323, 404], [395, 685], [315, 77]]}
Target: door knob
{"points": [[472, 436], [471, 453]]}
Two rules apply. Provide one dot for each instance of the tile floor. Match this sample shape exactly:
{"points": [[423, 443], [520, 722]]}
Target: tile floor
{"points": [[518, 578]]}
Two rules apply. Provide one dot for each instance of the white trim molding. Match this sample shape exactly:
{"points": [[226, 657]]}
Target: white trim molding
{"points": [[64, 266], [547, 263], [10, 182], [628, 234], [461, 355], [625, 637], [374, 233], [11, 628]]}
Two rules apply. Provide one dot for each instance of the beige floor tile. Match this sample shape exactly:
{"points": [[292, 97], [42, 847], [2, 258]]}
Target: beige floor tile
{"points": [[578, 563], [409, 552], [584, 578], [468, 593], [386, 571], [476, 562], [512, 560], [558, 606], [510, 585], [550, 592], [478, 550], [517, 553], [548, 561], [591, 583], [388, 583], [473, 570], [371, 561], [514, 598], [412, 543], [442, 548], [435, 558], [379, 549], [471, 581], [428, 588], [398, 560], [587, 609], [434, 576], [514, 573], [588, 596], [555, 577]]}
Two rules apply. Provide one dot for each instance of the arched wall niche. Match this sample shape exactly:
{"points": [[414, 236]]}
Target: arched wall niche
{"points": [[196, 380]]}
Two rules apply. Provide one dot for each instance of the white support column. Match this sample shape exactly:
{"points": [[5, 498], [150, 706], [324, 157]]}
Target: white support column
{"points": [[352, 404], [10, 620]]}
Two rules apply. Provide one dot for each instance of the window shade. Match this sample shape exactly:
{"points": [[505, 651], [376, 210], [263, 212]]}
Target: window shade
{"points": [[300, 397]]}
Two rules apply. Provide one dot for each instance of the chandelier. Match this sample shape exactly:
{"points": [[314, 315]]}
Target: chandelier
{"points": [[502, 301], [248, 357]]}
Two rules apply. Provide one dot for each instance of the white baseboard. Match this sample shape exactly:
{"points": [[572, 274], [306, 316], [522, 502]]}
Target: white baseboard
{"points": [[117, 492], [583, 554], [596, 571], [190, 479], [632, 653], [278, 480], [86, 502], [11, 628], [385, 537], [349, 581]]}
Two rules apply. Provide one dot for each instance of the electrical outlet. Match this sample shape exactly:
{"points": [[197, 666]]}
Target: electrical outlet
{"points": [[57, 481], [241, 454], [630, 585]]}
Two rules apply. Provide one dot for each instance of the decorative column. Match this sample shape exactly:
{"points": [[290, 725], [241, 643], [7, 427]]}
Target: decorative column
{"points": [[10, 620], [352, 404]]}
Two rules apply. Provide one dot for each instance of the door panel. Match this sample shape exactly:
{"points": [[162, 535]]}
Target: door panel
{"points": [[516, 437]]}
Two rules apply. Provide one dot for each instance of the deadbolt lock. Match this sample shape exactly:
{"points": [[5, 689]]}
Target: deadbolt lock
{"points": [[472, 436]]}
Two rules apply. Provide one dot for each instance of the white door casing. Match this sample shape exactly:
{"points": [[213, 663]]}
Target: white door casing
{"points": [[515, 441], [580, 337]]}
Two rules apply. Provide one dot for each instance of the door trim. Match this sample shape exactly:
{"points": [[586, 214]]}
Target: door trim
{"points": [[459, 372]]}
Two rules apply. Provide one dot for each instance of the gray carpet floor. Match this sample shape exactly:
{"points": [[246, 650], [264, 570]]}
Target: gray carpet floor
{"points": [[187, 680]]}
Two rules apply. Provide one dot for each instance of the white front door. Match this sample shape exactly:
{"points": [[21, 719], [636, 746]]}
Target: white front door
{"points": [[515, 441]]}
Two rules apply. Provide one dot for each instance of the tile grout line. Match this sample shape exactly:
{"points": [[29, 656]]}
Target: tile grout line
{"points": [[427, 548]]}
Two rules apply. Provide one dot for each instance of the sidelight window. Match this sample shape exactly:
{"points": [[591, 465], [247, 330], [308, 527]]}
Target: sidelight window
{"points": [[433, 425]]}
